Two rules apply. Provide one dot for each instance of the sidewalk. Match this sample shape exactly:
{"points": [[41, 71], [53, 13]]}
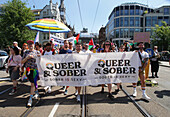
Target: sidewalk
{"points": [[164, 63]]}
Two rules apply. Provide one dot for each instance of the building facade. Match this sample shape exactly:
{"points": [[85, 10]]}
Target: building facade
{"points": [[128, 18], [50, 11]]}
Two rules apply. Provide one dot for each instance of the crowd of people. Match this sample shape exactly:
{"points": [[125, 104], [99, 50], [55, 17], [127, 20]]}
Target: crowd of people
{"points": [[25, 59]]}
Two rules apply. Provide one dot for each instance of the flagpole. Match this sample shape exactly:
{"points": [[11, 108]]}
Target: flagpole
{"points": [[49, 33]]}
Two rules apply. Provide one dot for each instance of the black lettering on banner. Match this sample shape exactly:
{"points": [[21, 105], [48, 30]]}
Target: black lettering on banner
{"points": [[77, 65], [132, 70], [127, 62], [62, 73], [69, 73], [64, 65], [125, 70], [57, 65], [46, 73], [97, 71], [55, 73], [108, 63], [120, 63], [76, 73], [119, 70], [105, 71], [112, 70], [114, 62], [83, 72], [70, 65]]}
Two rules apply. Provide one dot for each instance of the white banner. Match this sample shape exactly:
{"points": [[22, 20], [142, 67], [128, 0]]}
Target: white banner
{"points": [[88, 69], [60, 41]]}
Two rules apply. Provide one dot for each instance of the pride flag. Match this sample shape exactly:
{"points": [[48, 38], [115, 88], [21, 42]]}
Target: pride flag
{"points": [[36, 38]]}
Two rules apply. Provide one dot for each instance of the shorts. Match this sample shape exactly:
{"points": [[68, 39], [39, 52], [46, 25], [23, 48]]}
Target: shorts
{"points": [[14, 75], [30, 76]]}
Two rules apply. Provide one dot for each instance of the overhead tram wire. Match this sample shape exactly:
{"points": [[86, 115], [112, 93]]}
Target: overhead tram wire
{"points": [[95, 15], [68, 18], [80, 14]]}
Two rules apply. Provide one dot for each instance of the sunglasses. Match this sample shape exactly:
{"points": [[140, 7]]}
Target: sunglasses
{"points": [[107, 44]]}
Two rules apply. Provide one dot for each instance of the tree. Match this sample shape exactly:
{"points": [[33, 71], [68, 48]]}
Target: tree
{"points": [[161, 36], [12, 22]]}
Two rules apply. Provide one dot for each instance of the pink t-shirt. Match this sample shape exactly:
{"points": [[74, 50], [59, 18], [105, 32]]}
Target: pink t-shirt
{"points": [[15, 60]]}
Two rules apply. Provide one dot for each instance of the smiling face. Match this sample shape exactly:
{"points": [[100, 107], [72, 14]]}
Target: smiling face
{"points": [[31, 46]]}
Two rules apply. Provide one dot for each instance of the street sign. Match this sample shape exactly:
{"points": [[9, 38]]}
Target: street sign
{"points": [[150, 52]]}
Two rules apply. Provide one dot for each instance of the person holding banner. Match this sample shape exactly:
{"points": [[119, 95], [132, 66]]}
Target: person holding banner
{"points": [[78, 51], [144, 56], [121, 49], [29, 59], [65, 50], [48, 51], [107, 48]]}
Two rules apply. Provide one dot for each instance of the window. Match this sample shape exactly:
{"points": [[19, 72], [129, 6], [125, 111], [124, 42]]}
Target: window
{"points": [[137, 24], [166, 19], [121, 12], [44, 13], [154, 20], [126, 11], [121, 22], [44, 36], [117, 13], [3, 54], [117, 22], [48, 11], [131, 32], [166, 11], [160, 19], [137, 12], [121, 33], [137, 30], [126, 32], [117, 33], [131, 11], [148, 21], [126, 21], [132, 21]]}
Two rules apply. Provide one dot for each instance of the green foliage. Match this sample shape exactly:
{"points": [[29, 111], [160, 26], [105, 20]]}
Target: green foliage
{"points": [[161, 36], [15, 16]]}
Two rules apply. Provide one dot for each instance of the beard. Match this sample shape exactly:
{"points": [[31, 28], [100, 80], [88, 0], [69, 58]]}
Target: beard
{"points": [[65, 46]]}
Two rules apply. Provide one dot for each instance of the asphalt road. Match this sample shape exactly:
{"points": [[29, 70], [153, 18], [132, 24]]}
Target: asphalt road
{"points": [[98, 105]]}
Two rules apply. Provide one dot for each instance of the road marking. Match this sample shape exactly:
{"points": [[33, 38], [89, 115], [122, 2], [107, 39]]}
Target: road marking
{"points": [[5, 90], [54, 110]]}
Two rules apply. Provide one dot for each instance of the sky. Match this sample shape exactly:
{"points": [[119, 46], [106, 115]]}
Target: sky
{"points": [[88, 10]]}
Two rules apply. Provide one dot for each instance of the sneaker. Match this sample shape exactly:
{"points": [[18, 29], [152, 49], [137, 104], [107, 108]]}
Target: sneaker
{"points": [[76, 93], [144, 96], [29, 102], [102, 91], [78, 98], [134, 93], [36, 96], [49, 89], [65, 92], [13, 92], [117, 90]]}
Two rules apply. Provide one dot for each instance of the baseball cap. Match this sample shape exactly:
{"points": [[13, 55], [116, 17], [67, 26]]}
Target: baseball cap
{"points": [[15, 42], [30, 41]]}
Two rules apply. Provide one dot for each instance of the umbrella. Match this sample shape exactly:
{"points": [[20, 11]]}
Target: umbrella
{"points": [[48, 25]]}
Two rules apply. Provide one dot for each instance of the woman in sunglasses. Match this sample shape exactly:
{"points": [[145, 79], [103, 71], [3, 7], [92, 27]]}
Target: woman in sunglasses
{"points": [[107, 48]]}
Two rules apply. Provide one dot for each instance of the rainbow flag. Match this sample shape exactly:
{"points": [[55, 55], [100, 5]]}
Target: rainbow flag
{"points": [[36, 38]]}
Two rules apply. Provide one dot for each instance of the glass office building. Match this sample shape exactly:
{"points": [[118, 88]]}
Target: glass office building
{"points": [[128, 18]]}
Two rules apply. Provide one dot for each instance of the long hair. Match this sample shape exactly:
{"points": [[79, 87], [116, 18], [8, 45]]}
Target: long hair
{"points": [[16, 50]]}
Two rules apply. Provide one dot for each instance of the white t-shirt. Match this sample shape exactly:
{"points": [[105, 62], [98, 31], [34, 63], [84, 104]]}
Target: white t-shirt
{"points": [[143, 55], [87, 51], [48, 53], [77, 52]]}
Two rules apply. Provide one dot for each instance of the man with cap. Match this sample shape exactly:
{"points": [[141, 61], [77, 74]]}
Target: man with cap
{"points": [[29, 59], [15, 44]]}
